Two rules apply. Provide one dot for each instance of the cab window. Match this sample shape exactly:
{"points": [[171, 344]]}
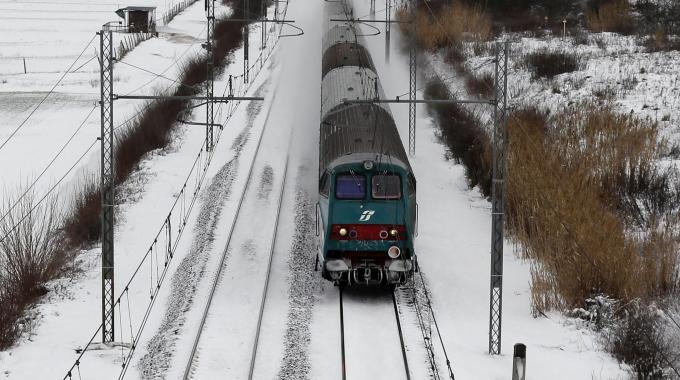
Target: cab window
{"points": [[386, 186], [350, 186], [324, 185]]}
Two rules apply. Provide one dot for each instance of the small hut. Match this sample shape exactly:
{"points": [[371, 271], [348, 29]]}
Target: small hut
{"points": [[138, 19]]}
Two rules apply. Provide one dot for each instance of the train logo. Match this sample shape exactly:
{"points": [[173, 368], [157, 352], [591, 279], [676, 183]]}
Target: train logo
{"points": [[366, 215]]}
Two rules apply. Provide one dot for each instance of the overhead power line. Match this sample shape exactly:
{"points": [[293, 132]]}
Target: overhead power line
{"points": [[17, 224], [49, 164], [46, 95]]}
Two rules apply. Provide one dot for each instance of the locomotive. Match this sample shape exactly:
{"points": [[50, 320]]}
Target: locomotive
{"points": [[366, 210]]}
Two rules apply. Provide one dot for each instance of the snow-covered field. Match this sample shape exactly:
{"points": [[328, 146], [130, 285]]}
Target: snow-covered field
{"points": [[300, 337], [611, 66], [51, 36]]}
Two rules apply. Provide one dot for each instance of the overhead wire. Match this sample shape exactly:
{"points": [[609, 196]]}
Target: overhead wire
{"points": [[23, 123], [157, 75], [54, 158], [175, 62], [16, 225]]}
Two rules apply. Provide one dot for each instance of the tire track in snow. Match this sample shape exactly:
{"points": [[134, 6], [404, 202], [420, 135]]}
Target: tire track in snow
{"points": [[187, 278], [302, 281]]}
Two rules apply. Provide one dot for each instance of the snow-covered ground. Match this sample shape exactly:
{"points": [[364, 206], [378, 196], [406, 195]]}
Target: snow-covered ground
{"points": [[300, 336], [611, 66]]}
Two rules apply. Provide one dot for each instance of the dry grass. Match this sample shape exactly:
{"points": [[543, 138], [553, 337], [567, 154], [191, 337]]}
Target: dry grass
{"points": [[558, 213], [612, 16], [450, 26]]}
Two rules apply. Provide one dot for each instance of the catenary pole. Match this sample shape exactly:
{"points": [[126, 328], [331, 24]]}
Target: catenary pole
{"points": [[210, 81], [107, 181], [498, 196], [412, 80]]}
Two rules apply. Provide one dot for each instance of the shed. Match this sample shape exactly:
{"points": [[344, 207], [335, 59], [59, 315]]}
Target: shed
{"points": [[138, 19]]}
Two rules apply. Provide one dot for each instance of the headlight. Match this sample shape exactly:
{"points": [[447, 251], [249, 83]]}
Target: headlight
{"points": [[383, 234], [394, 252], [368, 164], [342, 232], [394, 232]]}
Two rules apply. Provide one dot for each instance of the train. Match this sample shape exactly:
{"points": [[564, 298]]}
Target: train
{"points": [[366, 212]]}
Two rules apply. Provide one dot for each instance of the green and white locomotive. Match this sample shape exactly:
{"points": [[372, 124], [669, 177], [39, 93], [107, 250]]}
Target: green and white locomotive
{"points": [[366, 214]]}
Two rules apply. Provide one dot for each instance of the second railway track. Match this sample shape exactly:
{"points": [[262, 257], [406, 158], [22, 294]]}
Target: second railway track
{"points": [[227, 334]]}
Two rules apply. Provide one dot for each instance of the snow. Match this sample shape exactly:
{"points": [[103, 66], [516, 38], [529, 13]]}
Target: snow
{"points": [[300, 336], [642, 83]]}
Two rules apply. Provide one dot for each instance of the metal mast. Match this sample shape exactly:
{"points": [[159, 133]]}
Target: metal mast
{"points": [[498, 197], [107, 179], [388, 28], [209, 83], [246, 63], [412, 81]]}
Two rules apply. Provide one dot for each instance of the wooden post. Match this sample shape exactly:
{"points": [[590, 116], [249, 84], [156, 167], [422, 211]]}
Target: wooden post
{"points": [[24, 65]]}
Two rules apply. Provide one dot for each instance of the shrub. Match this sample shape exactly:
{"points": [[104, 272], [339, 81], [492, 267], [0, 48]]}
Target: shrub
{"points": [[82, 226], [462, 133], [481, 86], [32, 252], [546, 63], [611, 16], [661, 41], [639, 339]]}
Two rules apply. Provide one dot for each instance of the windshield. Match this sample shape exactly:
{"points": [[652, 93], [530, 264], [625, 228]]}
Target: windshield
{"points": [[386, 186], [350, 186]]}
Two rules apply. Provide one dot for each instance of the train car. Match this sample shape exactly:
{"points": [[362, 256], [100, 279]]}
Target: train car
{"points": [[366, 212]]}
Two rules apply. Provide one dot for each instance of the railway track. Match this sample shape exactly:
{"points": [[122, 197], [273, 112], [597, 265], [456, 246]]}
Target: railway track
{"points": [[212, 315], [386, 345]]}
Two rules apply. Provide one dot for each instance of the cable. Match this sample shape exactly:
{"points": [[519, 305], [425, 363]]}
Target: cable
{"points": [[46, 95], [49, 164], [86, 62], [158, 75], [49, 191]]}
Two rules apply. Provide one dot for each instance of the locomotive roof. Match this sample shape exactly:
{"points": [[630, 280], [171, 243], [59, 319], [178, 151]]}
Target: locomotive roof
{"points": [[360, 129]]}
